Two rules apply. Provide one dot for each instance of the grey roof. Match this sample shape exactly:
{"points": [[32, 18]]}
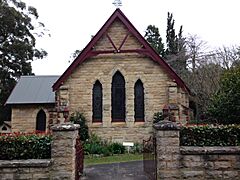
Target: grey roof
{"points": [[33, 90]]}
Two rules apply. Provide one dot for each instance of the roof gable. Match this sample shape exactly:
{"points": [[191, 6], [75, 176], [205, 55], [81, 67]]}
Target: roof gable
{"points": [[144, 48]]}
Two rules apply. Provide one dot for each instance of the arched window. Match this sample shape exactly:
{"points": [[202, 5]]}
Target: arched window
{"points": [[118, 97], [139, 101], [41, 121], [97, 102]]}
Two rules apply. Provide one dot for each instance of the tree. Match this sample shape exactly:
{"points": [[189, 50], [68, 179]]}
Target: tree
{"points": [[153, 37], [225, 104], [17, 46], [176, 50]]}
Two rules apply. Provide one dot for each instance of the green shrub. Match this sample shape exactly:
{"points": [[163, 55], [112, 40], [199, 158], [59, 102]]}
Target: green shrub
{"points": [[209, 135], [158, 116], [224, 107], [116, 148], [25, 146], [137, 148], [95, 145], [78, 118]]}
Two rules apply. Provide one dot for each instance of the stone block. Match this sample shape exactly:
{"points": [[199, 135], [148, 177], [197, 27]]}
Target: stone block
{"points": [[214, 174], [171, 134], [230, 175], [192, 174], [6, 176], [222, 165]]}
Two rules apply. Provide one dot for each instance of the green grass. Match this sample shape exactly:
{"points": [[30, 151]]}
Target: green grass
{"points": [[89, 160]]}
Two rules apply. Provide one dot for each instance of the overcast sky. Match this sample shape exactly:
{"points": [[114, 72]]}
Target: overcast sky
{"points": [[73, 22]]}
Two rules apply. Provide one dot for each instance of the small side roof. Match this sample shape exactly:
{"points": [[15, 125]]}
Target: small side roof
{"points": [[33, 90]]}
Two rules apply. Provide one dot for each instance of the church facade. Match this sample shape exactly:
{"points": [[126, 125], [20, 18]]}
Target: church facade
{"points": [[118, 82]]}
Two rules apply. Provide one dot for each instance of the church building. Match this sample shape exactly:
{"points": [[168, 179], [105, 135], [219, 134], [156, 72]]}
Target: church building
{"points": [[118, 82]]}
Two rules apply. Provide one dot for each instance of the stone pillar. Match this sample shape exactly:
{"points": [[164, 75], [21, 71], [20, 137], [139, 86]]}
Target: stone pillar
{"points": [[167, 149], [63, 150]]}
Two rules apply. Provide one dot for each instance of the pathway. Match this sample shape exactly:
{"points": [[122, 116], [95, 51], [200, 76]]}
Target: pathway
{"points": [[117, 171]]}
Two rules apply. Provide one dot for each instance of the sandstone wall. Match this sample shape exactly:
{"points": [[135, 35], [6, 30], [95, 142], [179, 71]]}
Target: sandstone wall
{"points": [[183, 162], [77, 89], [24, 117], [25, 169]]}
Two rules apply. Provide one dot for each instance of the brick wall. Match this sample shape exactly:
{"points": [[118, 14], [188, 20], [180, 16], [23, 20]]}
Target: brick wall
{"points": [[76, 92], [182, 162]]}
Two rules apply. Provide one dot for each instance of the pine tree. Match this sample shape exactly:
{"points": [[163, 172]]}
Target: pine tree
{"points": [[153, 37], [176, 50]]}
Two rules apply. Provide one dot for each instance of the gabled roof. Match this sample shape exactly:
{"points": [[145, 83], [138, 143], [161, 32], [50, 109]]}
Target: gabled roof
{"points": [[33, 90], [146, 49]]}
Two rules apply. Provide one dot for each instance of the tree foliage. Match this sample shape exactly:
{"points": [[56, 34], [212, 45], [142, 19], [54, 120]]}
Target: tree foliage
{"points": [[225, 105], [153, 37], [175, 53], [17, 45]]}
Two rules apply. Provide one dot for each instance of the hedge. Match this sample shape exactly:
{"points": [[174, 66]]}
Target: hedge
{"points": [[210, 135], [25, 146]]}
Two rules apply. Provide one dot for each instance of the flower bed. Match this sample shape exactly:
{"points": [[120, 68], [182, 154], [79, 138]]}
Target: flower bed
{"points": [[35, 145], [210, 135]]}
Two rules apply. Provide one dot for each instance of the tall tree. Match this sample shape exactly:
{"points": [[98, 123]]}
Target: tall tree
{"points": [[153, 37], [17, 46], [176, 50]]}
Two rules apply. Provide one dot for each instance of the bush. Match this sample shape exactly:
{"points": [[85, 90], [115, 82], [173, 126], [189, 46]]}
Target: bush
{"points": [[137, 148], [95, 145], [78, 118], [209, 135], [224, 107], [25, 146], [158, 116], [116, 148]]}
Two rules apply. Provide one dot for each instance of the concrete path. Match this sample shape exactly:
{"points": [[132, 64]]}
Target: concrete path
{"points": [[117, 171]]}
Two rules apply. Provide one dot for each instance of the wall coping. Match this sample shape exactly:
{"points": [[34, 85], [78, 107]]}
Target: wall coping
{"points": [[26, 163], [65, 127], [166, 125], [195, 150]]}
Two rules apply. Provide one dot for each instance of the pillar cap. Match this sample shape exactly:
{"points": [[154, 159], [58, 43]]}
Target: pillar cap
{"points": [[65, 127], [166, 125]]}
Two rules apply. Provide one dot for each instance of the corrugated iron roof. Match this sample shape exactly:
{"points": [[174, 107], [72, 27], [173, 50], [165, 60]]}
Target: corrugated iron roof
{"points": [[33, 90]]}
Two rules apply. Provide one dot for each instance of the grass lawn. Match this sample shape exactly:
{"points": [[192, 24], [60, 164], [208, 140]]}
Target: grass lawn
{"points": [[89, 160]]}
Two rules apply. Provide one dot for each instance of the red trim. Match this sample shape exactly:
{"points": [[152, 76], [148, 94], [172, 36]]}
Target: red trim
{"points": [[109, 38], [147, 50], [124, 40]]}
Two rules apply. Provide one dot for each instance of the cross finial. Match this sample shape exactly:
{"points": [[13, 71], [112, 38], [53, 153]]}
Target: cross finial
{"points": [[117, 3]]}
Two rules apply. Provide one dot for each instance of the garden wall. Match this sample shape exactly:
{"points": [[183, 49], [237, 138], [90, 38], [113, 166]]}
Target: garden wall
{"points": [[183, 162], [62, 164], [25, 169]]}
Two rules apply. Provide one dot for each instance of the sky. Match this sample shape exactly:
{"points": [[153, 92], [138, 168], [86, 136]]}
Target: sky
{"points": [[71, 24]]}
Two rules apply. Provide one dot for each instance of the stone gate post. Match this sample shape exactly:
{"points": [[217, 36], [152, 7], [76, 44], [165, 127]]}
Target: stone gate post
{"points": [[167, 149], [63, 150]]}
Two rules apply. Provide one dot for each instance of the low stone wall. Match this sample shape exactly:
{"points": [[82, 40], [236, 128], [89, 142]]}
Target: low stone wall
{"points": [[25, 169], [184, 162], [61, 166], [210, 162]]}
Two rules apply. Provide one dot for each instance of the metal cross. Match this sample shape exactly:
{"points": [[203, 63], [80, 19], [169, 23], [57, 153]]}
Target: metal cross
{"points": [[117, 3]]}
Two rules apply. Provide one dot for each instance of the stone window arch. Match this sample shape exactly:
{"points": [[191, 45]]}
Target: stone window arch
{"points": [[118, 98], [41, 121], [97, 102], [139, 101]]}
